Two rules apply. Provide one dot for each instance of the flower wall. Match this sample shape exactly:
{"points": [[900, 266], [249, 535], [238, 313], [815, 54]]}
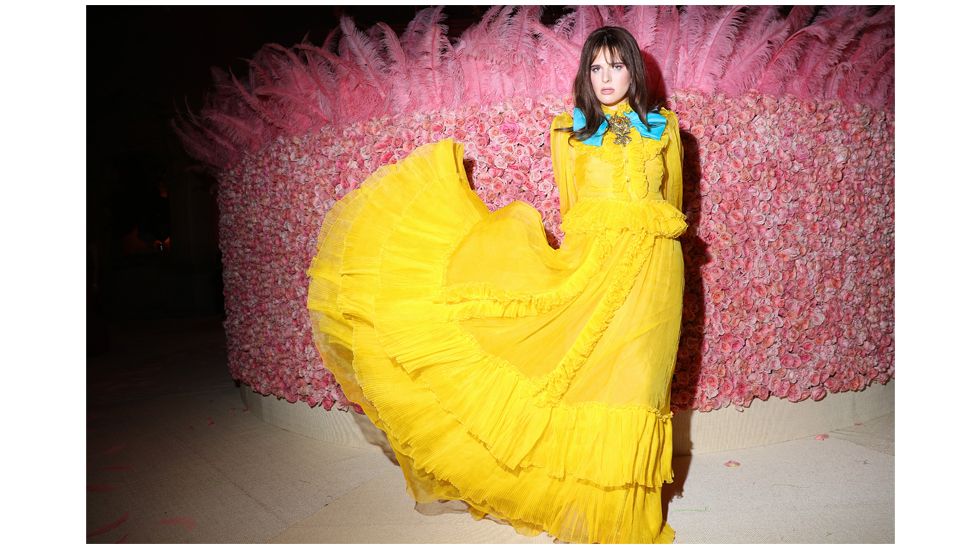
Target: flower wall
{"points": [[790, 199]]}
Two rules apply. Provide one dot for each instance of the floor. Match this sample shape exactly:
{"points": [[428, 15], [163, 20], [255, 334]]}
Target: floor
{"points": [[174, 457]]}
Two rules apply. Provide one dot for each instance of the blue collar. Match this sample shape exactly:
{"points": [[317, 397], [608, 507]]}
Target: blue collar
{"points": [[656, 121]]}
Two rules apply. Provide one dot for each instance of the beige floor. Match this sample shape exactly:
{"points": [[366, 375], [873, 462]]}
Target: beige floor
{"points": [[174, 457]]}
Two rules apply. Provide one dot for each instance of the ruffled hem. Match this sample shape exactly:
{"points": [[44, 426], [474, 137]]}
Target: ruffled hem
{"points": [[439, 460], [384, 281]]}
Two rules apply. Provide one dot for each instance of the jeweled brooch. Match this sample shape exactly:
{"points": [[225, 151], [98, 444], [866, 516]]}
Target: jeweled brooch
{"points": [[620, 126]]}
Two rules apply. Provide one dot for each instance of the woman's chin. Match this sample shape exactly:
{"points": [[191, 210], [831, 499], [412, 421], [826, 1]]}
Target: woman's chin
{"points": [[609, 102]]}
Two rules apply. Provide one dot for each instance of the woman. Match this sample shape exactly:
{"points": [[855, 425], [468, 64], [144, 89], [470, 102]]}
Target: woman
{"points": [[524, 383]]}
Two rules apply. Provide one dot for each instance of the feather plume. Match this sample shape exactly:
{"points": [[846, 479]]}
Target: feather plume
{"points": [[641, 21], [783, 63], [559, 47], [563, 27], [558, 57], [716, 46], [329, 44], [289, 114], [319, 73], [670, 22], [872, 44], [263, 67], [885, 93], [298, 101], [340, 67], [520, 45], [878, 77], [831, 52], [586, 19], [878, 36], [295, 75], [694, 23], [434, 41], [329, 74], [198, 146], [753, 50], [690, 31], [357, 48], [821, 57], [318, 65], [255, 103], [479, 38], [396, 67], [234, 128], [480, 51], [866, 65], [612, 15], [396, 59], [453, 80], [413, 36], [203, 143]]}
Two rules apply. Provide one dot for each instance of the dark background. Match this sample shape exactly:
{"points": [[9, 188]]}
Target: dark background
{"points": [[151, 213]]}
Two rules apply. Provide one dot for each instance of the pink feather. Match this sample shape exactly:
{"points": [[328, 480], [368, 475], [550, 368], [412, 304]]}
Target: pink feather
{"points": [[328, 43], [612, 15], [234, 128], [255, 104], [520, 46], [874, 82], [822, 56], [690, 31], [563, 28], [870, 65], [668, 57], [319, 73], [641, 21], [396, 59], [484, 32], [716, 47], [843, 52], [396, 67], [356, 47], [753, 50], [586, 20], [783, 64]]}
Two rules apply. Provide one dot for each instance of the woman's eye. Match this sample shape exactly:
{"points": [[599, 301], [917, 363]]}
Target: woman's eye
{"points": [[618, 67]]}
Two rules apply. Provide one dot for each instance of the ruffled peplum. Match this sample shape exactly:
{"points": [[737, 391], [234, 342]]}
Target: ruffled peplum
{"points": [[465, 423], [656, 217]]}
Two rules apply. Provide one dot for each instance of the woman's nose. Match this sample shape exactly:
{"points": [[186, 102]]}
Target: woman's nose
{"points": [[606, 76]]}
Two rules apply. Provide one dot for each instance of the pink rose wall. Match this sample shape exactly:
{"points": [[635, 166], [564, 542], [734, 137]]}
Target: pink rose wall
{"points": [[789, 191]]}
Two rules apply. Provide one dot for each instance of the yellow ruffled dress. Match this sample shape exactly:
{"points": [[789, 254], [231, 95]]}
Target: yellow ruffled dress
{"points": [[531, 383]]}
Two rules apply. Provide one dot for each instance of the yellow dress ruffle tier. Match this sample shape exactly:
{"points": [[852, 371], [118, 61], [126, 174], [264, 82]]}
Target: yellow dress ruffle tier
{"points": [[532, 384]]}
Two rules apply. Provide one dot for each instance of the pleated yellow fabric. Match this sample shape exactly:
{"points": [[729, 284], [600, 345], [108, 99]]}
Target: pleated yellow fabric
{"points": [[531, 383]]}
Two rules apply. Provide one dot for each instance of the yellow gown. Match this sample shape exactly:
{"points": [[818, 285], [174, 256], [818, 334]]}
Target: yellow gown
{"points": [[532, 384]]}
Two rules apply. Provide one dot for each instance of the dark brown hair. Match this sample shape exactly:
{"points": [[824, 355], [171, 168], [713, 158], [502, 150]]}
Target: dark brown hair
{"points": [[621, 45]]}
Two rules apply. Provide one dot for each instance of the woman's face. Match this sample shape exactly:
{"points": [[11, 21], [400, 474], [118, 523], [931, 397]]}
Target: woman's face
{"points": [[609, 77]]}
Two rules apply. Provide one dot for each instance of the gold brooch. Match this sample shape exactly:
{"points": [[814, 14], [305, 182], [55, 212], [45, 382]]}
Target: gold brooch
{"points": [[620, 126]]}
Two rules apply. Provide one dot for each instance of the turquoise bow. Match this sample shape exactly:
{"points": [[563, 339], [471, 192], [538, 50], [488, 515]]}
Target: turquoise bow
{"points": [[656, 121]]}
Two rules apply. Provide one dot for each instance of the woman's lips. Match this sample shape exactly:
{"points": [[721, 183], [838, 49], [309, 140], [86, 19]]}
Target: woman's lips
{"points": [[606, 91]]}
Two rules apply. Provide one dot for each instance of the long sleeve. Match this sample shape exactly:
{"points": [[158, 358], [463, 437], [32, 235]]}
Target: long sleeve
{"points": [[563, 162], [673, 158]]}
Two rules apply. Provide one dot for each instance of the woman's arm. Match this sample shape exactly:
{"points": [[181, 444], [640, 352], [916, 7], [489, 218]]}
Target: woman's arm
{"points": [[673, 158], [563, 162]]}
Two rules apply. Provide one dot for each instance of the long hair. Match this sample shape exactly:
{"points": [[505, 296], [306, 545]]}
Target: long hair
{"points": [[620, 44]]}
